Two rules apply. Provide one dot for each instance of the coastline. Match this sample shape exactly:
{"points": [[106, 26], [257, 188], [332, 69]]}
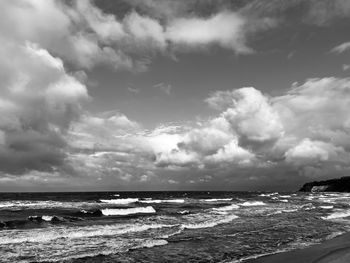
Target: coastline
{"points": [[335, 250]]}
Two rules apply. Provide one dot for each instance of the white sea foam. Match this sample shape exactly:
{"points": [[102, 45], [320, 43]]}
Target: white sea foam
{"points": [[47, 218], [210, 223], [128, 211], [339, 214], [284, 200], [326, 206], [253, 203], [217, 200], [152, 243], [285, 196], [120, 201], [289, 210], [184, 212], [43, 204], [48, 234], [226, 208], [270, 194], [158, 201]]}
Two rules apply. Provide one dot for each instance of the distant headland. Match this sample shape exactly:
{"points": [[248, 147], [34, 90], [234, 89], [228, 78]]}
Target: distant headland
{"points": [[333, 185]]}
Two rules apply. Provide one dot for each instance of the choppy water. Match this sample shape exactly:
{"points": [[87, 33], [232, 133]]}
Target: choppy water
{"points": [[164, 226]]}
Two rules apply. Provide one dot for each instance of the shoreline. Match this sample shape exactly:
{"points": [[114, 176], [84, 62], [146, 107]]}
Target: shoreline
{"points": [[335, 250]]}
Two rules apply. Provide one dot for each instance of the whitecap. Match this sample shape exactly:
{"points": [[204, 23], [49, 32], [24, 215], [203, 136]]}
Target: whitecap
{"points": [[128, 211], [47, 218], [120, 201], [43, 204], [253, 203], [339, 214], [217, 200], [46, 234], [210, 223], [158, 201], [152, 243], [289, 210], [226, 208], [326, 206], [184, 212]]}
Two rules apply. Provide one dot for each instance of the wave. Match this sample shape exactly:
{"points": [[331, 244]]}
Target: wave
{"points": [[285, 196], [183, 212], [226, 208], [253, 203], [41, 218], [21, 204], [151, 243], [217, 200], [180, 201], [326, 206], [128, 211], [289, 210], [120, 201], [336, 215], [270, 194], [283, 200], [211, 223], [68, 233]]}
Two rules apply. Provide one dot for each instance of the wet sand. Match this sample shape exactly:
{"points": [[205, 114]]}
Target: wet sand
{"points": [[336, 250]]}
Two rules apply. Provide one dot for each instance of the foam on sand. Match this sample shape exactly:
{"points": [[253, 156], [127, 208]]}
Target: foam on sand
{"points": [[128, 211], [120, 201]]}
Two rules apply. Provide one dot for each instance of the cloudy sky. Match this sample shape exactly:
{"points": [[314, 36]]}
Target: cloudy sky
{"points": [[173, 94]]}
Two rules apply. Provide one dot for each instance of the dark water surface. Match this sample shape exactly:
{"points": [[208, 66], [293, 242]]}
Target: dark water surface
{"points": [[164, 226]]}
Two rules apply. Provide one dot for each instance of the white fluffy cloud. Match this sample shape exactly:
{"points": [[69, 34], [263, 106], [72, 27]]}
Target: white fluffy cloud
{"points": [[224, 29], [250, 115], [39, 100]]}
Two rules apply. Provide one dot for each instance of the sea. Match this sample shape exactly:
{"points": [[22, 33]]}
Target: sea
{"points": [[165, 226]]}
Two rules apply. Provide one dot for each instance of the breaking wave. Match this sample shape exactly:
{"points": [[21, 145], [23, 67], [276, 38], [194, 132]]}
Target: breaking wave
{"points": [[336, 215], [180, 201], [120, 201], [128, 211], [254, 203], [217, 200], [226, 208], [48, 234], [210, 223], [21, 204]]}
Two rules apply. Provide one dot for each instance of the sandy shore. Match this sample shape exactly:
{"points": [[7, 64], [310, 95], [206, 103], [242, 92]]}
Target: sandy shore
{"points": [[336, 250]]}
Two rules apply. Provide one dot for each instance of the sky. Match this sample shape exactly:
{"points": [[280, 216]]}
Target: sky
{"points": [[138, 95]]}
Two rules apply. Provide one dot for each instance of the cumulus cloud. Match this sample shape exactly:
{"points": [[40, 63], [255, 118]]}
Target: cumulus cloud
{"points": [[310, 152], [305, 132], [195, 32], [250, 115], [39, 100]]}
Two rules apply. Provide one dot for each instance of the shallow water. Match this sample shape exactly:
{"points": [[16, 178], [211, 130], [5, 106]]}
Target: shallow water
{"points": [[164, 226]]}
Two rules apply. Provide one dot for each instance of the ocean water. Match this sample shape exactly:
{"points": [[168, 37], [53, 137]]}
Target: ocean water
{"points": [[165, 226]]}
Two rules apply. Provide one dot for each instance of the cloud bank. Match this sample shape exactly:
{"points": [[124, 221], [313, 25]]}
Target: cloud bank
{"points": [[46, 137]]}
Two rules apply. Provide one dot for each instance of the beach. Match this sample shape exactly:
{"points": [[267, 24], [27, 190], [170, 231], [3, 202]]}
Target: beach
{"points": [[336, 250]]}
